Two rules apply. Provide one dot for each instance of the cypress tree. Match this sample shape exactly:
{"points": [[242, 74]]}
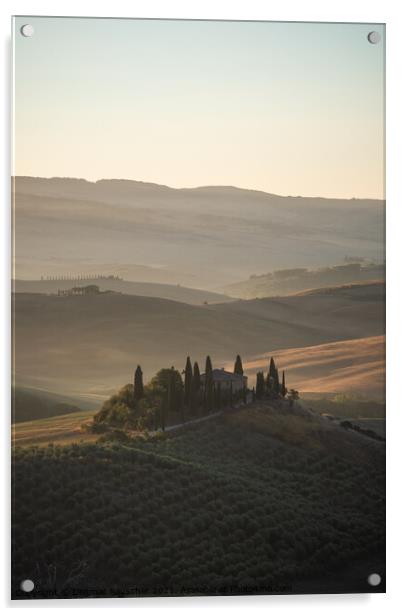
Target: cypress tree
{"points": [[195, 388], [196, 382], [277, 385], [284, 391], [138, 384], [272, 384], [210, 393], [272, 369], [208, 365], [259, 385], [238, 367], [208, 385], [188, 377], [218, 401]]}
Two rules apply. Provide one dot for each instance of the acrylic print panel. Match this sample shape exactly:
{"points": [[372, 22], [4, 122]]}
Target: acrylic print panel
{"points": [[198, 307]]}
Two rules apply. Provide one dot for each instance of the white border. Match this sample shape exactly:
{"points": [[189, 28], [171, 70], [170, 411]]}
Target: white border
{"points": [[379, 11]]}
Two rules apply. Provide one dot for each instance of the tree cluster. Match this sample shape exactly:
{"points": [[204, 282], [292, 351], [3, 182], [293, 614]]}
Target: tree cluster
{"points": [[270, 385], [170, 397]]}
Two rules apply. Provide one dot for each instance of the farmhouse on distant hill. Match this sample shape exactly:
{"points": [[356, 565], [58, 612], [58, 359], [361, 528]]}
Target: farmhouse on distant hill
{"points": [[227, 380], [90, 289]]}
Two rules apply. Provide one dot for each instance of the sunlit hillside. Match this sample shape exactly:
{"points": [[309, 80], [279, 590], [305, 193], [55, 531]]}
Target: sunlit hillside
{"points": [[356, 366]]}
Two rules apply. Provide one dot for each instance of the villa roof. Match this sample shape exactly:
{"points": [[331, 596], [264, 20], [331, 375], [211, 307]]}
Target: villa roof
{"points": [[224, 375]]}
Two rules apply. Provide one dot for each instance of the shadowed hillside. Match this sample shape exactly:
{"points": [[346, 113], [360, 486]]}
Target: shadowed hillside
{"points": [[91, 344], [261, 500], [29, 404], [166, 291], [201, 237]]}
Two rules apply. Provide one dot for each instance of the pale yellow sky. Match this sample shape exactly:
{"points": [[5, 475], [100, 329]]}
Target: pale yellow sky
{"points": [[293, 109]]}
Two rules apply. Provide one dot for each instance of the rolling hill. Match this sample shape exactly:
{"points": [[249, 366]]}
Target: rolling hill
{"points": [[30, 404], [203, 237], [91, 345], [257, 501], [356, 366], [60, 429], [291, 281], [149, 289]]}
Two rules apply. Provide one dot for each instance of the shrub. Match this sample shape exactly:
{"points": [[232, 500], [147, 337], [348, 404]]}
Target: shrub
{"points": [[115, 436]]}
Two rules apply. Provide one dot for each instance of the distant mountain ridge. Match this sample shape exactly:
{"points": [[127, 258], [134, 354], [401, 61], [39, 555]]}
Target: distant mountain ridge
{"points": [[206, 237], [78, 186]]}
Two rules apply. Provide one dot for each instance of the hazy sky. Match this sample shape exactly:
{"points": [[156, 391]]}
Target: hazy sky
{"points": [[294, 109]]}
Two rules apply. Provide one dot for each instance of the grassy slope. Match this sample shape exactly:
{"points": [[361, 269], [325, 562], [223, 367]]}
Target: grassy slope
{"points": [[349, 366], [377, 425], [29, 404], [261, 500], [61, 430], [368, 414], [92, 344], [348, 408], [288, 282]]}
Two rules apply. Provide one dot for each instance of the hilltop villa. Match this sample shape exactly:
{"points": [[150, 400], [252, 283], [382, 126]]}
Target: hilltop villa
{"points": [[227, 380]]}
